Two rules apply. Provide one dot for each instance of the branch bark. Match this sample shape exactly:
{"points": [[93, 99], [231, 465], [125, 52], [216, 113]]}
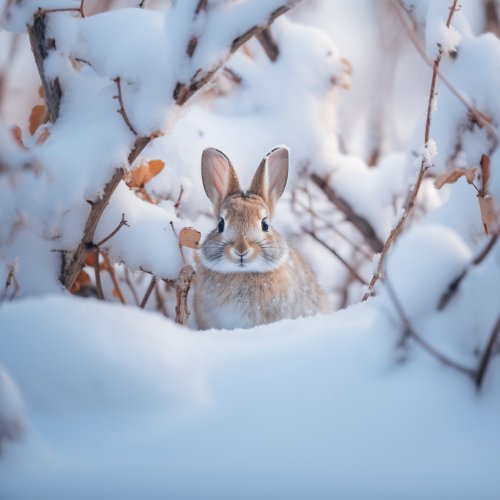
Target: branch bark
{"points": [[41, 46], [424, 167], [360, 223], [185, 90]]}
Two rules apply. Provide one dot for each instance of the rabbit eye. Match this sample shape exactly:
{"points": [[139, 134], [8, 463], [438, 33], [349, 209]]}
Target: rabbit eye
{"points": [[220, 226], [265, 224]]}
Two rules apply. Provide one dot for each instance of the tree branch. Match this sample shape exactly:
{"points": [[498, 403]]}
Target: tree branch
{"points": [[360, 223], [185, 90], [455, 284], [424, 167], [41, 46], [151, 286], [485, 359], [411, 333]]}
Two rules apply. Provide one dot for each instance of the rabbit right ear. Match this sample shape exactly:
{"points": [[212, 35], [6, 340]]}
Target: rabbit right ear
{"points": [[219, 178]]}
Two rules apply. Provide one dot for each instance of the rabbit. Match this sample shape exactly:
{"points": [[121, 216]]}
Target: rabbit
{"points": [[247, 274]]}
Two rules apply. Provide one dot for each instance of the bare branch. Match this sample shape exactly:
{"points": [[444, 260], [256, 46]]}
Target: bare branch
{"points": [[455, 284], [268, 43], [339, 257], [182, 286], [474, 114], [410, 332], [486, 357], [122, 111], [360, 223], [41, 46], [151, 286], [122, 223], [424, 167], [111, 270], [131, 287], [185, 90]]}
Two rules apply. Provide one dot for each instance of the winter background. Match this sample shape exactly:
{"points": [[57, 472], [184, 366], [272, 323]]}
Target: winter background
{"points": [[390, 109]]}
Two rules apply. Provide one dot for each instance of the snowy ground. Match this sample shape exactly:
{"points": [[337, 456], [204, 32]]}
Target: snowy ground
{"points": [[125, 404]]}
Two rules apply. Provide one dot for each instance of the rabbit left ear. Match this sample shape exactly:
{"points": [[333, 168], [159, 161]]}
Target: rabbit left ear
{"points": [[270, 178]]}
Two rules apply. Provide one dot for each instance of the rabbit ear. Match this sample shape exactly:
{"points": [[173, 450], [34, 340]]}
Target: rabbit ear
{"points": [[219, 177], [270, 179]]}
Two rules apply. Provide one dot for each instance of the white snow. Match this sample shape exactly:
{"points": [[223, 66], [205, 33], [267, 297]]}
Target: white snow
{"points": [[122, 403]]}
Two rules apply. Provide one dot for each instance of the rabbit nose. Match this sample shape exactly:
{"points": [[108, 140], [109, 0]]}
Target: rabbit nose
{"points": [[241, 247]]}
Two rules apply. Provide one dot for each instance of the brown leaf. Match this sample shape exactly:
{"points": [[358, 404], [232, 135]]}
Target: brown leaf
{"points": [[38, 116], [41, 92], [489, 213], [485, 168], [189, 237], [43, 136], [82, 279], [144, 173], [453, 175], [116, 293], [90, 259], [17, 134]]}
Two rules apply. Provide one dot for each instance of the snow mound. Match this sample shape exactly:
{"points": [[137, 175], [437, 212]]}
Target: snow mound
{"points": [[124, 403]]}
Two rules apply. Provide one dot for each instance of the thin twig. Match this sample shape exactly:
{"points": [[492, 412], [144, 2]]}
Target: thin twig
{"points": [[160, 301], [424, 166], [122, 111], [472, 110], [111, 270], [122, 223], [339, 257], [410, 332], [330, 226], [151, 286], [455, 284], [179, 198], [485, 359], [359, 222], [131, 286]]}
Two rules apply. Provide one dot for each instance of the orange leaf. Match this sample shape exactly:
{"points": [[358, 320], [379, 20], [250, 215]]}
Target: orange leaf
{"points": [[82, 279], [453, 175], [41, 92], [17, 134], [90, 259], [485, 168], [189, 237], [489, 213], [37, 117], [43, 136], [144, 173]]}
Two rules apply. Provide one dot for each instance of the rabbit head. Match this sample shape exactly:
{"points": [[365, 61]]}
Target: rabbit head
{"points": [[244, 239]]}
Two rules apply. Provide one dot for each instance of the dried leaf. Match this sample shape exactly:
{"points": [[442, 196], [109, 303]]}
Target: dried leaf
{"points": [[485, 168], [17, 134], [453, 175], [90, 259], [116, 293], [41, 92], [144, 173], [489, 213], [43, 136], [82, 279], [37, 116], [189, 237]]}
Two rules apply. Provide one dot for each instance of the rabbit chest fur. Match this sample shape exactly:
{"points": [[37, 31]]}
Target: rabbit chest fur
{"points": [[247, 274], [243, 300]]}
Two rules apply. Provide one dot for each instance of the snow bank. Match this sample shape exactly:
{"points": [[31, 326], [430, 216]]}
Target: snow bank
{"points": [[123, 403]]}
